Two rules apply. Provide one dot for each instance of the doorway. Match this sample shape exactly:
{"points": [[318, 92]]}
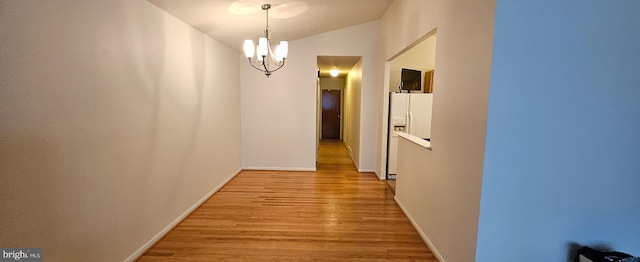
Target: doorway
{"points": [[338, 101], [331, 100]]}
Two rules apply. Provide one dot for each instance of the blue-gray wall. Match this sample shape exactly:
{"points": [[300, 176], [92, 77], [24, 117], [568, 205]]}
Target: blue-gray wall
{"points": [[562, 157]]}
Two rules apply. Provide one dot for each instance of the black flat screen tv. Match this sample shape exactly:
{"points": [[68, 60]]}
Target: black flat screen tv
{"points": [[411, 79]]}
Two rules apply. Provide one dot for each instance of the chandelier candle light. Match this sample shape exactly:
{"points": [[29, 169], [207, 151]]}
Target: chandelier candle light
{"points": [[264, 54]]}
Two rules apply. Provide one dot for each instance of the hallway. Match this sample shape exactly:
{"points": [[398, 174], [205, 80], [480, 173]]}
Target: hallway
{"points": [[334, 214]]}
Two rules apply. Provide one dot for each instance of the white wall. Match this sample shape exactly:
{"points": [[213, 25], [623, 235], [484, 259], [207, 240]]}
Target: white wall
{"points": [[332, 83], [404, 23], [279, 113], [116, 118], [353, 96], [562, 138], [442, 190], [420, 57]]}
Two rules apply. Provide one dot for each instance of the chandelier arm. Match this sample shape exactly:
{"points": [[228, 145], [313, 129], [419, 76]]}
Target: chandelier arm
{"points": [[265, 65], [265, 61], [271, 53], [262, 67], [253, 64], [258, 68], [280, 65]]}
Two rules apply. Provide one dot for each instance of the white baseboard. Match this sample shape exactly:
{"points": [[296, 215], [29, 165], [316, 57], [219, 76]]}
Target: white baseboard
{"points": [[366, 171], [354, 162], [302, 169], [420, 232], [138, 253], [379, 177]]}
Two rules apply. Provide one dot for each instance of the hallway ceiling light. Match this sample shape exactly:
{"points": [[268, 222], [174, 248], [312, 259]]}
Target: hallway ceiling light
{"points": [[264, 54], [334, 72]]}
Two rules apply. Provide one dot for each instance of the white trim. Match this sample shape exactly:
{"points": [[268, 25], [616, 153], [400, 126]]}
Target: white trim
{"points": [[354, 162], [420, 232], [138, 253], [302, 169], [418, 141], [358, 168], [380, 177]]}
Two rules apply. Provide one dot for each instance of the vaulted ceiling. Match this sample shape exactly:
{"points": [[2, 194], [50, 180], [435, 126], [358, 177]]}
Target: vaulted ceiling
{"points": [[232, 21]]}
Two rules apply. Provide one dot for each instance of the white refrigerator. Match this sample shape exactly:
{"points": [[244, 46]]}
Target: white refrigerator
{"points": [[409, 113]]}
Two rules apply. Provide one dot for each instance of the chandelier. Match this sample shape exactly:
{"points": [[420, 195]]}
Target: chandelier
{"points": [[266, 60]]}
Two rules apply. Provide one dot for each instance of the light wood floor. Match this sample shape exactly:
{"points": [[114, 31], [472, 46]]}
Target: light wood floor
{"points": [[334, 214]]}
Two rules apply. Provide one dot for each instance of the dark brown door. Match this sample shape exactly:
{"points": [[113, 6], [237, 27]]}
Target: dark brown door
{"points": [[330, 114]]}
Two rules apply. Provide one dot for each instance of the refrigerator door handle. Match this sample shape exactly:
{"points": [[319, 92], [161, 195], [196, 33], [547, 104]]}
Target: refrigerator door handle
{"points": [[409, 122]]}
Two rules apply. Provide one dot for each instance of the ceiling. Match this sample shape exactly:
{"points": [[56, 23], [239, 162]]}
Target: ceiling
{"points": [[344, 64], [232, 21]]}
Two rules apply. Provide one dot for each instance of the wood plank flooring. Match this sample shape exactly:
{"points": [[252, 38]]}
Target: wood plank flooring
{"points": [[334, 214]]}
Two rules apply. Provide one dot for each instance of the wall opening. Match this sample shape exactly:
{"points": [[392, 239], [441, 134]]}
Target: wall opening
{"points": [[339, 83], [409, 111]]}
